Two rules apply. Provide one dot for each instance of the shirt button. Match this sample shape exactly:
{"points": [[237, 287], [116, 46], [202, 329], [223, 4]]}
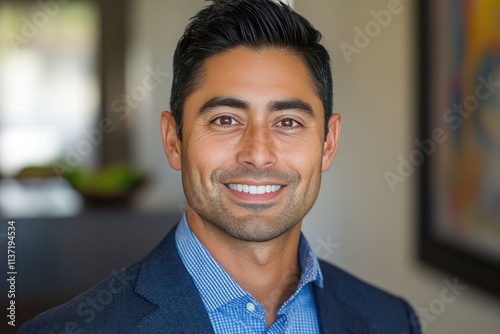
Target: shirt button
{"points": [[250, 307]]}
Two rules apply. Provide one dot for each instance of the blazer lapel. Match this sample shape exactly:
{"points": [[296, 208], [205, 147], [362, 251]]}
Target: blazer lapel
{"points": [[165, 282], [335, 317]]}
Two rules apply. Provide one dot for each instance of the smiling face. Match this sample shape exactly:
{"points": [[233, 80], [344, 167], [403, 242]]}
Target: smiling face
{"points": [[253, 148]]}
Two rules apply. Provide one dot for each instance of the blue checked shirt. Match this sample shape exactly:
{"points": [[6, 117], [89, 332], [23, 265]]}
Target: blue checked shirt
{"points": [[233, 310]]}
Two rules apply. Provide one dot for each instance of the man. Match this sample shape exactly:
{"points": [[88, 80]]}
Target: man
{"points": [[252, 130]]}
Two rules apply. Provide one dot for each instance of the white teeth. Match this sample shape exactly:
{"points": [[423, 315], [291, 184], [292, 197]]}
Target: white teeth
{"points": [[254, 190]]}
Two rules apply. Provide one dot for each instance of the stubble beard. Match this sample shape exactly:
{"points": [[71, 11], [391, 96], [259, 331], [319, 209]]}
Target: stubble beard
{"points": [[250, 222]]}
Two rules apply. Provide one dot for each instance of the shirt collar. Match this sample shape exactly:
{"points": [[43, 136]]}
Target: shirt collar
{"points": [[216, 286]]}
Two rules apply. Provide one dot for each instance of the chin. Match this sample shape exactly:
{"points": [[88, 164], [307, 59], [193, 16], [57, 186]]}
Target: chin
{"points": [[256, 230]]}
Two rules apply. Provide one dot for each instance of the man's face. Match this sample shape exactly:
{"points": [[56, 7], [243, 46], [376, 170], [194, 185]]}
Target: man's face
{"points": [[253, 148]]}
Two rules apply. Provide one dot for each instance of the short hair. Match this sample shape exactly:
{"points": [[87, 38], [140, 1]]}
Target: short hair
{"points": [[226, 24]]}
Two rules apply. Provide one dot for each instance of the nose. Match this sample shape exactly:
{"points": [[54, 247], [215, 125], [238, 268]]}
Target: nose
{"points": [[257, 147]]}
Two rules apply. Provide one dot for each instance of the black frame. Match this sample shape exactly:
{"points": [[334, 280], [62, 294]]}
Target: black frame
{"points": [[466, 265]]}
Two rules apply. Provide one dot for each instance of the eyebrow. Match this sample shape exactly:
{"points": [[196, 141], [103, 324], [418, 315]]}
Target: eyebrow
{"points": [[291, 105], [230, 102], [235, 103]]}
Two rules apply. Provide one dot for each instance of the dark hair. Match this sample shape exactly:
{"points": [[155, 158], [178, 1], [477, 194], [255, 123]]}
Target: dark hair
{"points": [[227, 24]]}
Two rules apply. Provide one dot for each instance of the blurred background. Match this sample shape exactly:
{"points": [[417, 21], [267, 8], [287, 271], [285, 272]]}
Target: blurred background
{"points": [[84, 176]]}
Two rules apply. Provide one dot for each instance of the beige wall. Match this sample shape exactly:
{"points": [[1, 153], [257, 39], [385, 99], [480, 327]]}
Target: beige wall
{"points": [[371, 230]]}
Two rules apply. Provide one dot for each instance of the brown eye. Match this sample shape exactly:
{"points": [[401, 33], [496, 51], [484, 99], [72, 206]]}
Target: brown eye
{"points": [[225, 121], [287, 123]]}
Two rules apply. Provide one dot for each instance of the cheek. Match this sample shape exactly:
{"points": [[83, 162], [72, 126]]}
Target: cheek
{"points": [[306, 161], [206, 155], [303, 156]]}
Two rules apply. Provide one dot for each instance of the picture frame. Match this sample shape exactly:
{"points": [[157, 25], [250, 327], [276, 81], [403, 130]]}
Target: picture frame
{"points": [[459, 93]]}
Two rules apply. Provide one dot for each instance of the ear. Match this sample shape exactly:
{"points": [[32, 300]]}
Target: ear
{"points": [[171, 143], [331, 142]]}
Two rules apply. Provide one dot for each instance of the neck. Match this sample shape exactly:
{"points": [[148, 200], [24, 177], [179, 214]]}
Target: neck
{"points": [[269, 270]]}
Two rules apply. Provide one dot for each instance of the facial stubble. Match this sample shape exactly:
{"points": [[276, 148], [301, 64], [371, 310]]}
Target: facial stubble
{"points": [[251, 222]]}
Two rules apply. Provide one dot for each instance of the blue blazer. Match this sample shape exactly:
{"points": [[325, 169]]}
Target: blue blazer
{"points": [[157, 295]]}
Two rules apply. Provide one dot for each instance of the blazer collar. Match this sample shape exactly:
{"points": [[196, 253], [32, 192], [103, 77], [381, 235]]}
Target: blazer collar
{"points": [[164, 281], [335, 316]]}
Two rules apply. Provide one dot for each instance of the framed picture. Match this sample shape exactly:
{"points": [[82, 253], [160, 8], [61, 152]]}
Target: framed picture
{"points": [[460, 138]]}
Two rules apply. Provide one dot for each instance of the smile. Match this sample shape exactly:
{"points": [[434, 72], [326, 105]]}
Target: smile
{"points": [[254, 190]]}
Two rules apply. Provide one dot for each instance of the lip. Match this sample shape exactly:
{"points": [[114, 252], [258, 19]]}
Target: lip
{"points": [[248, 197]]}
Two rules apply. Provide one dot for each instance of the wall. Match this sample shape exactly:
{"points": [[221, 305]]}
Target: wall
{"points": [[371, 230], [155, 28]]}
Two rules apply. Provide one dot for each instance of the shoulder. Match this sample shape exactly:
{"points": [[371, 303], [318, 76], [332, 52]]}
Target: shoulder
{"points": [[110, 304], [349, 286], [150, 296], [380, 309]]}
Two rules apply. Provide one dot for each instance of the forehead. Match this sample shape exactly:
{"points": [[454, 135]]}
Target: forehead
{"points": [[256, 75]]}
